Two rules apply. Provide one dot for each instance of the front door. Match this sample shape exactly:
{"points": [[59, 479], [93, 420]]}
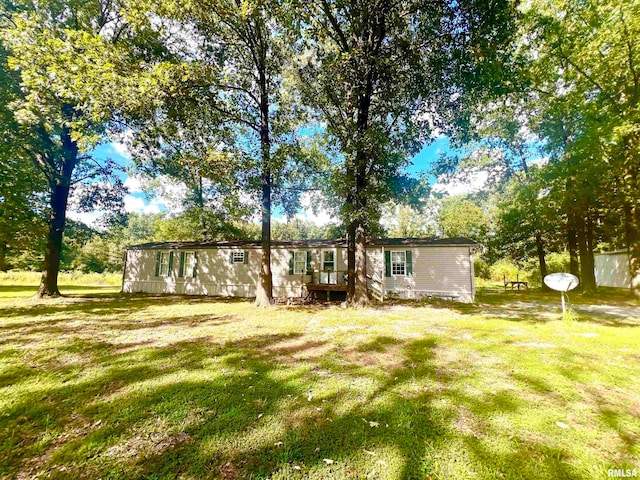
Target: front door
{"points": [[328, 274]]}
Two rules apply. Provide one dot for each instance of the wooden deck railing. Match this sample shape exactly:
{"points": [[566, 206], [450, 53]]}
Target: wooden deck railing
{"points": [[328, 277]]}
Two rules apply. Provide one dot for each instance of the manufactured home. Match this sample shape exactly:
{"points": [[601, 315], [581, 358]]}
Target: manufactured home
{"points": [[396, 267]]}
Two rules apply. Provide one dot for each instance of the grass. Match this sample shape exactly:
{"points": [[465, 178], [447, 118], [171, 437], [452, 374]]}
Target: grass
{"points": [[75, 279], [102, 385]]}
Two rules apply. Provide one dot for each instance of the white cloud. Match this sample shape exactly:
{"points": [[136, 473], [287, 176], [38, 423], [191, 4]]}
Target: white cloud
{"points": [[162, 194], [171, 195], [140, 205], [88, 218], [539, 162], [470, 183], [314, 210], [121, 149], [121, 143], [134, 184]]}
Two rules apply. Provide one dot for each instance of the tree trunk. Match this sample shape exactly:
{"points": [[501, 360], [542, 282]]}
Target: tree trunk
{"points": [[351, 262], [203, 221], [591, 264], [587, 278], [360, 296], [3, 256], [361, 291], [57, 219], [572, 245], [541, 259], [264, 290], [632, 231], [631, 179]]}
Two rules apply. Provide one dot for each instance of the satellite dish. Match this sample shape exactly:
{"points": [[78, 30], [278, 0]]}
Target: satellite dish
{"points": [[561, 282]]}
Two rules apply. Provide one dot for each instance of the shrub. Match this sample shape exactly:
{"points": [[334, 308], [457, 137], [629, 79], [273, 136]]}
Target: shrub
{"points": [[481, 268], [507, 268], [556, 262]]}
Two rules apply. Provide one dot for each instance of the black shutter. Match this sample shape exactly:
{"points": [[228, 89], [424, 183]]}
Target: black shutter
{"points": [[231, 257], [181, 269], [308, 262], [246, 257], [157, 264], [170, 264], [387, 263], [409, 263], [195, 264], [291, 260]]}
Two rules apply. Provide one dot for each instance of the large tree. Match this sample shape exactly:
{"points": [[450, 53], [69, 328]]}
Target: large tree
{"points": [[384, 75], [229, 114], [583, 63], [47, 45], [22, 184]]}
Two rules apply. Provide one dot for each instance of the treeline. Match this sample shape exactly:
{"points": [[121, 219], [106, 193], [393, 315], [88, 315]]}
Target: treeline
{"points": [[89, 250], [562, 150]]}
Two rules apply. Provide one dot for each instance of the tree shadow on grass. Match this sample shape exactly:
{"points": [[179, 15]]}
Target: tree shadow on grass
{"points": [[534, 307], [206, 407], [108, 304], [116, 397]]}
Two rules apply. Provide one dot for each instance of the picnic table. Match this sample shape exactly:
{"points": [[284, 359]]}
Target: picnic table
{"points": [[514, 283]]}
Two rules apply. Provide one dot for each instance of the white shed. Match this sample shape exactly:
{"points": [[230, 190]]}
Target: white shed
{"points": [[402, 267], [612, 269]]}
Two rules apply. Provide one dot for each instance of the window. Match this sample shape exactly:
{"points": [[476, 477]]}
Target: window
{"points": [[237, 256], [328, 260], [163, 264], [299, 262], [398, 263], [187, 264]]}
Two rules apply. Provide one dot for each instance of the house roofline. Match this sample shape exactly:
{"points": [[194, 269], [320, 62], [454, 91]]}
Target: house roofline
{"points": [[614, 252], [311, 243]]}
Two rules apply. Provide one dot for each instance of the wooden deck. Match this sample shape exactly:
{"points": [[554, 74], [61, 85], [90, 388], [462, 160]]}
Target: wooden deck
{"points": [[312, 288], [326, 287]]}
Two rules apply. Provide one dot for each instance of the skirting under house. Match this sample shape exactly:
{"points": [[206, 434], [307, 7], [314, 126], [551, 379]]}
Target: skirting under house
{"points": [[396, 267]]}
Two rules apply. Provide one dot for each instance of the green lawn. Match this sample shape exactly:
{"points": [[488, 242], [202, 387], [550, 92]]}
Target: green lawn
{"points": [[106, 386]]}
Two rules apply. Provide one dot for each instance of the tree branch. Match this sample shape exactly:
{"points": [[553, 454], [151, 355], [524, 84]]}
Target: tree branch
{"points": [[336, 26]]}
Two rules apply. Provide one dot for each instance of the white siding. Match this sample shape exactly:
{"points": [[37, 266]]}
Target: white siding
{"points": [[443, 271], [216, 275], [375, 271], [437, 271], [612, 270]]}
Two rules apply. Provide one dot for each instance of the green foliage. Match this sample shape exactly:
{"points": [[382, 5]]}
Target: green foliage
{"points": [[507, 269], [390, 74], [460, 216], [556, 262], [481, 268], [407, 221], [297, 229]]}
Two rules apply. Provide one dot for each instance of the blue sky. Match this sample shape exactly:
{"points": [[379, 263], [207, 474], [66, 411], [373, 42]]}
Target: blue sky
{"points": [[429, 154]]}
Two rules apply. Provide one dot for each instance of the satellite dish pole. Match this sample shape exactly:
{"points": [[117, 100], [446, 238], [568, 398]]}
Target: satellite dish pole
{"points": [[561, 282]]}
